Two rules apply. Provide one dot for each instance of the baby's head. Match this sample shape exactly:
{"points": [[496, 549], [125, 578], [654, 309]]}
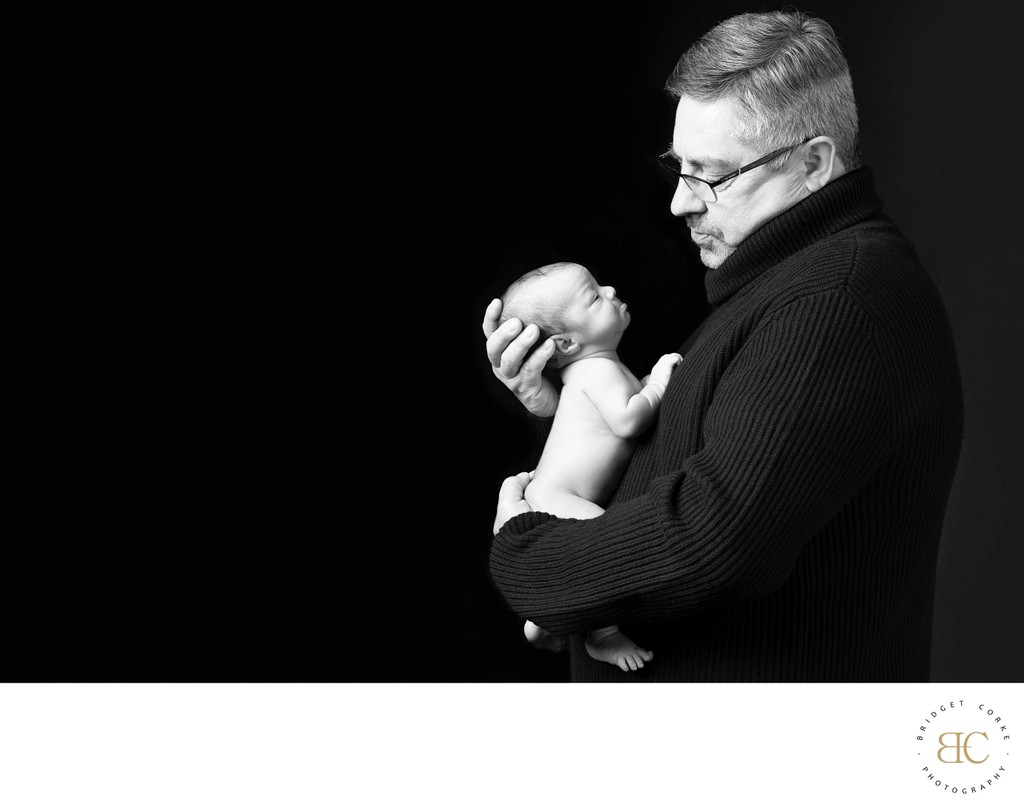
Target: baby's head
{"points": [[568, 306]]}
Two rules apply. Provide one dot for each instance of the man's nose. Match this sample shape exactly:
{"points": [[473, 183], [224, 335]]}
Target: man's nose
{"points": [[685, 201]]}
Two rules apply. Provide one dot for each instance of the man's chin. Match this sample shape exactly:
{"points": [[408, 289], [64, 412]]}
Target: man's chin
{"points": [[711, 258]]}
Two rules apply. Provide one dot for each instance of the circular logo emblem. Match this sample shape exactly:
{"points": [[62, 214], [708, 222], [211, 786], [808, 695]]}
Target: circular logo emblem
{"points": [[963, 747]]}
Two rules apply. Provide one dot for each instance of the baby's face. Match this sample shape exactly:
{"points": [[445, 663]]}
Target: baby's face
{"points": [[596, 315]]}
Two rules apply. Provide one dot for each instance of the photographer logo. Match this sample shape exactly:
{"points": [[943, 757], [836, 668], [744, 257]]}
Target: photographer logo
{"points": [[963, 747]]}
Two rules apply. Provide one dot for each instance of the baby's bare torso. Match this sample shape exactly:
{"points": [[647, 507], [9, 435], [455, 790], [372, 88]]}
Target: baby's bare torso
{"points": [[583, 458]]}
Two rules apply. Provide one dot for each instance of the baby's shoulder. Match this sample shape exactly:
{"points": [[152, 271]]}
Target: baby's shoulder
{"points": [[595, 370]]}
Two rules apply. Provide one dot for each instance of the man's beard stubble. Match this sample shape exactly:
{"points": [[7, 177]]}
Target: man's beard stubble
{"points": [[714, 252]]}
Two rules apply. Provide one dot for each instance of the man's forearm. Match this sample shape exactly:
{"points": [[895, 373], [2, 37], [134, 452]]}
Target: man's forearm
{"points": [[729, 522]]}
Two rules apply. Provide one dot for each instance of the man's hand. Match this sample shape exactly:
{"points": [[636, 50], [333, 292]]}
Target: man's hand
{"points": [[506, 347], [511, 500]]}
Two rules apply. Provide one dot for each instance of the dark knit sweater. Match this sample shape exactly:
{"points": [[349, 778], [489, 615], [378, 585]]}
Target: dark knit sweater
{"points": [[781, 520]]}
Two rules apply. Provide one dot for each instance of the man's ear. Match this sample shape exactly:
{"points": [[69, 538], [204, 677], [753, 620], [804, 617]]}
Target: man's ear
{"points": [[565, 345], [821, 163]]}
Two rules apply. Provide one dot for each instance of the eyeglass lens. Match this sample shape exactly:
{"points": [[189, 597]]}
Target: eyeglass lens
{"points": [[672, 173], [701, 190]]}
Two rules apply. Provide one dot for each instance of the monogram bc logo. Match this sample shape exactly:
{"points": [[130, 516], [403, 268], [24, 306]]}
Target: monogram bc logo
{"points": [[961, 747]]}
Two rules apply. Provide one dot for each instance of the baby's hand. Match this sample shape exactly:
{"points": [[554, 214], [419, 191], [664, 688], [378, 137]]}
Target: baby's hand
{"points": [[663, 368]]}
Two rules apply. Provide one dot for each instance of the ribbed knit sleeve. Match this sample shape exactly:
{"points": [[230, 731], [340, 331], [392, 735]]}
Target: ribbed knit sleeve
{"points": [[800, 419]]}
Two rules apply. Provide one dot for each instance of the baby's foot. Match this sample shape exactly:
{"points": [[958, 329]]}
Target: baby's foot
{"points": [[611, 645], [541, 638]]}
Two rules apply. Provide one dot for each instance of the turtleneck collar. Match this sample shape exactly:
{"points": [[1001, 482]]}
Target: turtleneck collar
{"points": [[842, 203]]}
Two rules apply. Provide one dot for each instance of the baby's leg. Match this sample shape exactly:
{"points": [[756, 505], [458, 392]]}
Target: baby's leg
{"points": [[612, 646], [606, 644], [559, 501], [543, 639]]}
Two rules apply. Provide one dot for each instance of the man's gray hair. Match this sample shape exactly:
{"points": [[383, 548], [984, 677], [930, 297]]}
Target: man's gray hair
{"points": [[786, 74]]}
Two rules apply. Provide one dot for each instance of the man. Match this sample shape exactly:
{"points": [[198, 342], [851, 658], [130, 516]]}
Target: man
{"points": [[781, 521]]}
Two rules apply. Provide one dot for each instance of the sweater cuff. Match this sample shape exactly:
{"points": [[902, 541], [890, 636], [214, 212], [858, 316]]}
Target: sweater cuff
{"points": [[524, 523]]}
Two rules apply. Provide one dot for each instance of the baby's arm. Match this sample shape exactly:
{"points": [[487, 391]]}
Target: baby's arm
{"points": [[627, 414]]}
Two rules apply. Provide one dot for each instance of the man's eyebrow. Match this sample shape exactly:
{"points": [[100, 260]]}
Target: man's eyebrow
{"points": [[714, 163]]}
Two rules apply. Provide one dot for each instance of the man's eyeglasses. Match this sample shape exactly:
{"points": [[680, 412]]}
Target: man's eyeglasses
{"points": [[705, 190]]}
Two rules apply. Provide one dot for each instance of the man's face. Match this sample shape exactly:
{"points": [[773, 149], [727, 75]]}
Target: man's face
{"points": [[702, 143]]}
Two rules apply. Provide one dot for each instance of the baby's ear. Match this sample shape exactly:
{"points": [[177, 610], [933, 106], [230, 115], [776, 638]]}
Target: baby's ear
{"points": [[565, 345]]}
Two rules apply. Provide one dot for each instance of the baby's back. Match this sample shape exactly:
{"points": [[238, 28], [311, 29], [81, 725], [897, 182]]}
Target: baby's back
{"points": [[583, 458]]}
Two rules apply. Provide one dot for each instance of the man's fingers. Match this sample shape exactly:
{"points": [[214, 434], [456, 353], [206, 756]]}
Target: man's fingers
{"points": [[491, 315], [533, 366], [511, 499], [513, 487], [512, 357], [499, 340]]}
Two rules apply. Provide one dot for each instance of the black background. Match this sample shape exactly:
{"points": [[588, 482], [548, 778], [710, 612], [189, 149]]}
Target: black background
{"points": [[265, 442]]}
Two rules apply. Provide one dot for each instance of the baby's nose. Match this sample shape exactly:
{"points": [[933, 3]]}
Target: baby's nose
{"points": [[609, 291]]}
